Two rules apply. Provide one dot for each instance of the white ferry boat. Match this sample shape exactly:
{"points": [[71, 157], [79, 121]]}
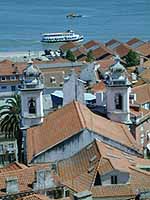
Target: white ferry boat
{"points": [[68, 36]]}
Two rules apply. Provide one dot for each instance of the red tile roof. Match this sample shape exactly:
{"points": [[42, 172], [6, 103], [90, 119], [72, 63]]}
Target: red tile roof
{"points": [[91, 44], [144, 49], [98, 87], [34, 197], [102, 53], [8, 67], [135, 42], [13, 167], [112, 42], [79, 171], [25, 176], [105, 64], [70, 120], [67, 46], [122, 50], [142, 93]]}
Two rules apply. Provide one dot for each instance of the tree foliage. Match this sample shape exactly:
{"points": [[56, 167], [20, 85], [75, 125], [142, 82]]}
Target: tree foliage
{"points": [[70, 56], [10, 119], [90, 56], [132, 59]]}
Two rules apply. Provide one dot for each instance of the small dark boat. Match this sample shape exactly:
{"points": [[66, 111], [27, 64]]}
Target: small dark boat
{"points": [[73, 15]]}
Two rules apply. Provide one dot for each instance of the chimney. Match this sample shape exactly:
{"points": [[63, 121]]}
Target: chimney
{"points": [[141, 60], [12, 185], [85, 195], [44, 179]]}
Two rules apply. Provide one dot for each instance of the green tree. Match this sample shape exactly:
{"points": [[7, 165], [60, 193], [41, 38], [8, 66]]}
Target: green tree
{"points": [[90, 56], [70, 56], [132, 59], [10, 120]]}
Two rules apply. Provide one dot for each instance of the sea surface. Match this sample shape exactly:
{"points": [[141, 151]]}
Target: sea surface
{"points": [[23, 21]]}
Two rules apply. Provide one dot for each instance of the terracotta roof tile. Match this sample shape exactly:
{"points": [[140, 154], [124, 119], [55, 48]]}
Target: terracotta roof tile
{"points": [[135, 42], [25, 176], [145, 91], [13, 167], [145, 75], [67, 46], [144, 49], [102, 53], [112, 191], [122, 49], [70, 120], [8, 67], [79, 51], [34, 197], [112, 42], [92, 43], [105, 64], [79, 171], [98, 87]]}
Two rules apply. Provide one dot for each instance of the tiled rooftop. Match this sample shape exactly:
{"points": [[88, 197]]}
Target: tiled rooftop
{"points": [[79, 171], [145, 91], [70, 120]]}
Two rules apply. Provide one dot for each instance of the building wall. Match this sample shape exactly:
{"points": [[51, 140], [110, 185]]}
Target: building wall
{"points": [[122, 177], [8, 151], [74, 144]]}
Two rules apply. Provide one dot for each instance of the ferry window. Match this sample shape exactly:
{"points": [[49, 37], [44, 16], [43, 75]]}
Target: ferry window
{"points": [[119, 101], [32, 106]]}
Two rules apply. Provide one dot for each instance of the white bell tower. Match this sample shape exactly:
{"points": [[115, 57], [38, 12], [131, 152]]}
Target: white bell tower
{"points": [[118, 89], [31, 96]]}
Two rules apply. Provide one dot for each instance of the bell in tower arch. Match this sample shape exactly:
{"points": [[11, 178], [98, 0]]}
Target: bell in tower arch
{"points": [[32, 106]]}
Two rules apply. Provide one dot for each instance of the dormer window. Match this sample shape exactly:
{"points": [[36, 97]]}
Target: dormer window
{"points": [[118, 101], [32, 106], [3, 78], [113, 179]]}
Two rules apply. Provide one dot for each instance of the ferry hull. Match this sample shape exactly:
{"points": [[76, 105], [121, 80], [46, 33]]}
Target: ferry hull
{"points": [[49, 41]]}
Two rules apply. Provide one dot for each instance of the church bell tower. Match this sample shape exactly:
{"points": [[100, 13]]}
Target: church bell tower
{"points": [[118, 89], [31, 96]]}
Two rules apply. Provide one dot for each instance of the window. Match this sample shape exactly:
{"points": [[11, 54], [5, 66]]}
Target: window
{"points": [[4, 87], [3, 78], [52, 79], [11, 146], [32, 106], [118, 101], [2, 160], [13, 78], [1, 148], [113, 179], [13, 88]]}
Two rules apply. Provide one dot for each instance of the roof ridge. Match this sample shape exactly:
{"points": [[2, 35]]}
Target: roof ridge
{"points": [[80, 114], [129, 137]]}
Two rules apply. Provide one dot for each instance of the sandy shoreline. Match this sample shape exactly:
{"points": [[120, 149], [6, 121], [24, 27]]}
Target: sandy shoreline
{"points": [[20, 55]]}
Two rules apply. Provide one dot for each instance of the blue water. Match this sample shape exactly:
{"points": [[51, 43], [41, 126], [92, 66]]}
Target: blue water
{"points": [[23, 21]]}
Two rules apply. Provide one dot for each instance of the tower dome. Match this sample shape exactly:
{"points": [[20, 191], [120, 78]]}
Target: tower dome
{"points": [[117, 67], [31, 70]]}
